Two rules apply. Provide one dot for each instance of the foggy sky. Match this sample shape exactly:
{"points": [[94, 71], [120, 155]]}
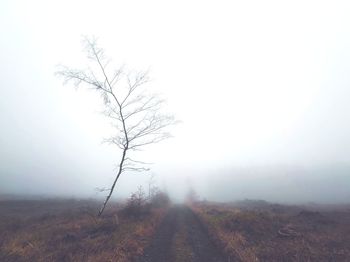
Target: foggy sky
{"points": [[262, 90]]}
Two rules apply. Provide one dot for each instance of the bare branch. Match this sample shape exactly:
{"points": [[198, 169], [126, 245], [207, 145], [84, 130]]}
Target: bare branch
{"points": [[136, 169], [137, 161], [103, 189]]}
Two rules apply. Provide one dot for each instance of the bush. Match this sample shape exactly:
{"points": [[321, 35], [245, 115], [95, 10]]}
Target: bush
{"points": [[160, 199], [136, 206]]}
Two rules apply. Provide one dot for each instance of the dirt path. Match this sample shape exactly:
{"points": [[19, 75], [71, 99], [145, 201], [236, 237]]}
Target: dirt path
{"points": [[181, 238]]}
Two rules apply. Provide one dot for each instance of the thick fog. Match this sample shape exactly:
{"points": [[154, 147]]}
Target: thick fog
{"points": [[261, 88]]}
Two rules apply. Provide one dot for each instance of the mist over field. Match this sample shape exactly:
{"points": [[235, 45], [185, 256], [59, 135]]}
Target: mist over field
{"points": [[261, 89]]}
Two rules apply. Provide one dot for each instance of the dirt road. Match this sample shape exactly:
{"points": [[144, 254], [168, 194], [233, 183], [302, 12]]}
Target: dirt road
{"points": [[181, 237]]}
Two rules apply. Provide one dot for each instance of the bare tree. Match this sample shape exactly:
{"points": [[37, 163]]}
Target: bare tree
{"points": [[136, 114]]}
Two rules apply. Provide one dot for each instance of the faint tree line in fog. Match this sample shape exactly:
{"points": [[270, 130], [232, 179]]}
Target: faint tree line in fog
{"points": [[135, 113]]}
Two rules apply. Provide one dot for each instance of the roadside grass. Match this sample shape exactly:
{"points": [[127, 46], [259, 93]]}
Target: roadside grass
{"points": [[59, 230], [283, 234]]}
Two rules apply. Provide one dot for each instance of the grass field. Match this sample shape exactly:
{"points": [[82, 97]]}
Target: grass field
{"points": [[259, 231], [68, 230]]}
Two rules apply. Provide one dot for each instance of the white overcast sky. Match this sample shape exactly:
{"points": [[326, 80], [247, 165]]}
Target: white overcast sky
{"points": [[261, 84]]}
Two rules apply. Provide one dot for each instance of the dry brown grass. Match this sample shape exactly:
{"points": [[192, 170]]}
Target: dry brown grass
{"points": [[68, 231], [278, 233]]}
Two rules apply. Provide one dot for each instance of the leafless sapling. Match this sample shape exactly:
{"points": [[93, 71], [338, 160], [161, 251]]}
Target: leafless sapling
{"points": [[136, 114]]}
